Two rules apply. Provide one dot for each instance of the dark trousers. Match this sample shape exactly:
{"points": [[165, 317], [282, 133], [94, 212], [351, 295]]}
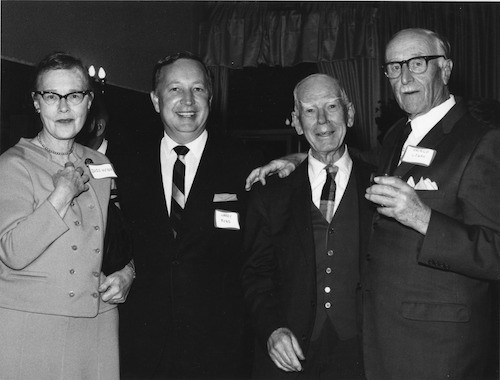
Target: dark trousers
{"points": [[330, 358]]}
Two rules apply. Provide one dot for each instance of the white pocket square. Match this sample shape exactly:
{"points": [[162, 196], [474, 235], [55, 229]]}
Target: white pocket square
{"points": [[423, 184], [225, 197]]}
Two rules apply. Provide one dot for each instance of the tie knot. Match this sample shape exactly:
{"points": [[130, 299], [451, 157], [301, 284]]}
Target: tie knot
{"points": [[332, 170], [181, 150]]}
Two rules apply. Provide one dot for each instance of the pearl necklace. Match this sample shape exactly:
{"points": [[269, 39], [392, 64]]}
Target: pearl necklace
{"points": [[53, 151]]}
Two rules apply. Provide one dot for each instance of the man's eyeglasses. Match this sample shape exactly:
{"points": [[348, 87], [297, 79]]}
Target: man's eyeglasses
{"points": [[73, 98], [417, 65]]}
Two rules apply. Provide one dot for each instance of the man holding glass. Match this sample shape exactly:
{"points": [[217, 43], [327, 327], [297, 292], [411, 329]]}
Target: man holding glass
{"points": [[435, 242]]}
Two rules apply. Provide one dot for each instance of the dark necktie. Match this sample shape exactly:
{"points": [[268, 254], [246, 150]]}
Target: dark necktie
{"points": [[398, 146], [178, 195], [327, 201]]}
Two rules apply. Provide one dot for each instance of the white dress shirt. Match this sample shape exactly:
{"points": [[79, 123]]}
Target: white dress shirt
{"points": [[191, 160], [422, 125], [317, 177]]}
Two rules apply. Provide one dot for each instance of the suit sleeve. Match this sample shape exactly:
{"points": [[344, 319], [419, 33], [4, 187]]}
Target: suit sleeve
{"points": [[470, 244], [260, 270], [26, 229]]}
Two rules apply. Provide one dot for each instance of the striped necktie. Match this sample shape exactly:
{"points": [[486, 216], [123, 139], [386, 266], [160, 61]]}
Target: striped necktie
{"points": [[178, 195], [327, 201]]}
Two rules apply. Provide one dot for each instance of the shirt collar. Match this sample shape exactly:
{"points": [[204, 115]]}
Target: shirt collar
{"points": [[196, 146], [103, 147], [316, 167], [424, 123]]}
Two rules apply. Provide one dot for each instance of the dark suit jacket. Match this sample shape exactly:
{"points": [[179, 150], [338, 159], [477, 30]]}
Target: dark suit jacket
{"points": [[185, 311], [427, 300], [279, 278]]}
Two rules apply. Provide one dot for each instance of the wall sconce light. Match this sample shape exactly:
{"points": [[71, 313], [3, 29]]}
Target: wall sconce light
{"points": [[101, 77]]}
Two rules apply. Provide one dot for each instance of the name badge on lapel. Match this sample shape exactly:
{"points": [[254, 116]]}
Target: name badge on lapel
{"points": [[228, 220], [418, 156], [102, 171]]}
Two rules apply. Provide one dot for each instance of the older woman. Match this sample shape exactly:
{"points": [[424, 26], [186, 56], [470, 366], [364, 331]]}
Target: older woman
{"points": [[57, 310]]}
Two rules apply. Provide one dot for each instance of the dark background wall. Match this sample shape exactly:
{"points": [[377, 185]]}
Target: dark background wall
{"points": [[125, 37]]}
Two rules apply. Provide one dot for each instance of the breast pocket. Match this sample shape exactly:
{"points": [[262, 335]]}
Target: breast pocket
{"points": [[437, 312], [430, 194]]}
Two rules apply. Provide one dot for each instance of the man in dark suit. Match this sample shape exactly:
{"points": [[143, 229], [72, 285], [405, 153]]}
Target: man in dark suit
{"points": [[301, 280], [184, 318], [435, 245], [436, 240]]}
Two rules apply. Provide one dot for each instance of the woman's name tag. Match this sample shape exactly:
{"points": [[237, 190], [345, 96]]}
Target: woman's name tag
{"points": [[102, 171]]}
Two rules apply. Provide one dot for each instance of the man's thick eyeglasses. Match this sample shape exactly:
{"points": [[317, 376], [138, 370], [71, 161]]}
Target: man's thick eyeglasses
{"points": [[417, 65], [73, 98]]}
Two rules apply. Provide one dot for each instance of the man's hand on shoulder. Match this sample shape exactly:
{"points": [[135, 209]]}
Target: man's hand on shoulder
{"points": [[282, 166], [284, 350]]}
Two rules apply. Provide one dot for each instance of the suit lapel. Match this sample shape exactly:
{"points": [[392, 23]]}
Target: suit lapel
{"points": [[201, 193], [159, 192], [362, 181], [301, 203], [436, 135], [389, 146], [362, 174]]}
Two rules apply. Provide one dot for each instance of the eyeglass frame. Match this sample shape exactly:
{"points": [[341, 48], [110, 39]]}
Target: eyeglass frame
{"points": [[65, 97], [427, 58]]}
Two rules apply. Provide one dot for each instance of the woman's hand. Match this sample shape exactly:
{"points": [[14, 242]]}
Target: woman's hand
{"points": [[69, 183], [71, 179]]}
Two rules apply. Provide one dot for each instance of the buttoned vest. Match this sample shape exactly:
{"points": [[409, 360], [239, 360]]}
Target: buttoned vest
{"points": [[337, 264]]}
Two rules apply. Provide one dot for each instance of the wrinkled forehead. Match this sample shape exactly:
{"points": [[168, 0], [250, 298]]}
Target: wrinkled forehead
{"points": [[318, 88], [411, 44], [320, 101]]}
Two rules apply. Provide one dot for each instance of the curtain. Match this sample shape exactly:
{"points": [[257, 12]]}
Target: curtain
{"points": [[218, 108], [340, 37], [360, 78], [246, 34]]}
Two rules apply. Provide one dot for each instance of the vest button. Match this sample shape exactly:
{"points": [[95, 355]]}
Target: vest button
{"points": [[327, 289], [328, 270], [328, 305], [330, 253]]}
